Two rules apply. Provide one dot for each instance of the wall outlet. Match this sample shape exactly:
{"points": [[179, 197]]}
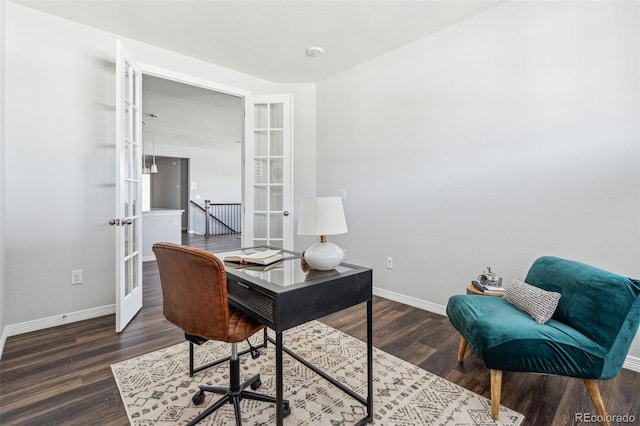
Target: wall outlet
{"points": [[76, 276], [389, 262]]}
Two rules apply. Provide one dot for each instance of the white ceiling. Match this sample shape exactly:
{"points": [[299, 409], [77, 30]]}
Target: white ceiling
{"points": [[190, 115], [266, 38]]}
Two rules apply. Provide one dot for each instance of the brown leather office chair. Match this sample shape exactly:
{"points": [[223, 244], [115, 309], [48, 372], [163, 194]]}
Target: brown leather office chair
{"points": [[194, 290]]}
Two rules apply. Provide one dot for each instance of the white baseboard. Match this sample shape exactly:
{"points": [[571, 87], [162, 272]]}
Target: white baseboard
{"points": [[631, 363], [42, 323], [411, 301], [150, 258], [3, 340]]}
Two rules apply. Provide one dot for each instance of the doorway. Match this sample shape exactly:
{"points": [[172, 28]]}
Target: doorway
{"points": [[250, 168], [193, 135], [170, 189]]}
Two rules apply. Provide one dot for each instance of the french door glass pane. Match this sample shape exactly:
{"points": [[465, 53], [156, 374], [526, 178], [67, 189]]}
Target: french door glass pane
{"points": [[127, 120], [135, 165], [276, 139], [127, 198], [128, 276], [260, 171], [276, 116], [127, 240], [261, 200], [137, 280], [127, 82], [127, 161], [260, 116], [134, 88], [261, 144], [276, 171], [260, 226], [134, 233], [275, 198], [275, 226]]}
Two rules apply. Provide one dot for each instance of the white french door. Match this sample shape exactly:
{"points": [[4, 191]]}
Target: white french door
{"points": [[128, 210], [268, 153]]}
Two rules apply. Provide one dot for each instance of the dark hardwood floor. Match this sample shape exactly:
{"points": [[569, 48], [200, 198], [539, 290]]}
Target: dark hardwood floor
{"points": [[62, 375]]}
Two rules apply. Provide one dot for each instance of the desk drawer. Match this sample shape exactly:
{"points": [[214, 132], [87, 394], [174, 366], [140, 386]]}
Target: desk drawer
{"points": [[256, 302]]}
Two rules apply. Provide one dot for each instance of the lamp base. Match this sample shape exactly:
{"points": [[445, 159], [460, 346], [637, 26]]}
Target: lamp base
{"points": [[324, 256]]}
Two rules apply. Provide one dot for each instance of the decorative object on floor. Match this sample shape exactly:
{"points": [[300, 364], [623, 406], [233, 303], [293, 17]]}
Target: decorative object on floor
{"points": [[156, 387], [587, 337], [322, 216]]}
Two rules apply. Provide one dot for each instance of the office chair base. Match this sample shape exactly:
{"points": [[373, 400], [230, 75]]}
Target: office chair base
{"points": [[233, 397], [197, 340]]}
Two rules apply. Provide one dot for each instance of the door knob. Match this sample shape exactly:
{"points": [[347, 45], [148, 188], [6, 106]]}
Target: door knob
{"points": [[126, 221], [114, 222], [286, 213]]}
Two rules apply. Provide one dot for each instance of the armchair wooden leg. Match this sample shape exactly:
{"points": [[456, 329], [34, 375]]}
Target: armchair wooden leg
{"points": [[462, 348], [496, 392], [594, 393]]}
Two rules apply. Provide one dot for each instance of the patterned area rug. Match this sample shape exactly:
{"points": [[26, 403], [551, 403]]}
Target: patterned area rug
{"points": [[156, 387]]}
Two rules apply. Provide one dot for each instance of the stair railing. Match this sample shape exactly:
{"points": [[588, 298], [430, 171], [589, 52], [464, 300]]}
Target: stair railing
{"points": [[221, 218]]}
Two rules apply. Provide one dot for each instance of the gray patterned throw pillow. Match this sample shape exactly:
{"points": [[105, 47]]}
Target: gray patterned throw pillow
{"points": [[538, 303]]}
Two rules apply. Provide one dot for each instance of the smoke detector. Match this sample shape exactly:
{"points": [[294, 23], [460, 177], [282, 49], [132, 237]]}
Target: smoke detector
{"points": [[314, 51]]}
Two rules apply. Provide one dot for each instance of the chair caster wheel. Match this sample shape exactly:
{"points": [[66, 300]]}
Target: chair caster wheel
{"points": [[198, 398], [255, 385], [287, 409]]}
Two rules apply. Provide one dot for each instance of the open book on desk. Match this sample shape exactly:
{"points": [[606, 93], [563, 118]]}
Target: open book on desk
{"points": [[253, 267], [265, 257]]}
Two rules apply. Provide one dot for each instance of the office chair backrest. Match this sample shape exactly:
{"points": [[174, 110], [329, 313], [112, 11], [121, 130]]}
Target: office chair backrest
{"points": [[194, 290]]}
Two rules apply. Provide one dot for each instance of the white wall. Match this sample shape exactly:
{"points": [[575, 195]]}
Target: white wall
{"points": [[511, 135], [217, 172], [2, 167], [60, 158]]}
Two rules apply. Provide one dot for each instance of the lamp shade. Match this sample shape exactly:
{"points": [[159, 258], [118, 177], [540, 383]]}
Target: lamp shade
{"points": [[321, 216]]}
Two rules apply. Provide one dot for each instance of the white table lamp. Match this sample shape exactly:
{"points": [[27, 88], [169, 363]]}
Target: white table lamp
{"points": [[322, 216]]}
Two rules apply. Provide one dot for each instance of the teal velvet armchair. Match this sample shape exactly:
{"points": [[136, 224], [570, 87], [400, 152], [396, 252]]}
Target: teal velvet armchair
{"points": [[588, 336]]}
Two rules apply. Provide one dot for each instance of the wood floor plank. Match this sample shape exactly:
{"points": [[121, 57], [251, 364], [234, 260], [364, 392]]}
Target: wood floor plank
{"points": [[62, 375]]}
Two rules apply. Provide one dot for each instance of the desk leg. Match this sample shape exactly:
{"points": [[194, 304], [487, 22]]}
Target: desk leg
{"points": [[370, 359], [279, 393]]}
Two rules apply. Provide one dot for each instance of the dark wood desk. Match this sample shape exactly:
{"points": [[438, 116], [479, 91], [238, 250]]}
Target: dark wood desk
{"points": [[283, 296]]}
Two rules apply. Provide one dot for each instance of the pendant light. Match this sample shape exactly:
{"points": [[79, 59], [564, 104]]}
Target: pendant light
{"points": [[154, 168], [145, 169]]}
